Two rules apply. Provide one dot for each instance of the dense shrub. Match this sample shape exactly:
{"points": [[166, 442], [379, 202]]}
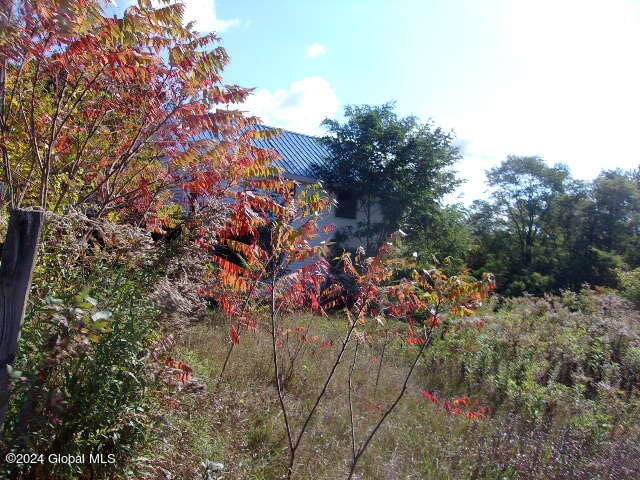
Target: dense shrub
{"points": [[630, 285], [571, 361], [85, 375], [81, 384], [538, 428]]}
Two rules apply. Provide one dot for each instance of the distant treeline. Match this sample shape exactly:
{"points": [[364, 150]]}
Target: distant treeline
{"points": [[542, 230]]}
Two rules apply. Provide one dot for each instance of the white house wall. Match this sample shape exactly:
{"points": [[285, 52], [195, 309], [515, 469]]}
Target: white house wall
{"points": [[342, 225]]}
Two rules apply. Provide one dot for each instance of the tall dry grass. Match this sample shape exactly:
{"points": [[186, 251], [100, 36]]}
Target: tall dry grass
{"points": [[540, 427]]}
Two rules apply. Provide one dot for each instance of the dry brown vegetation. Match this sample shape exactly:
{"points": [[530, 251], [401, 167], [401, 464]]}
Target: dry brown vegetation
{"points": [[577, 433], [238, 421]]}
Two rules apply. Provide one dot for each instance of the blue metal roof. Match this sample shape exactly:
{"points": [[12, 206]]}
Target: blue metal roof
{"points": [[298, 151]]}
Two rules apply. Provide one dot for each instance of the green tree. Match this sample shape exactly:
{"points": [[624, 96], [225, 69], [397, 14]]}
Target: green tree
{"points": [[543, 230], [492, 248], [525, 188], [396, 168], [514, 231], [440, 236], [616, 214], [573, 255]]}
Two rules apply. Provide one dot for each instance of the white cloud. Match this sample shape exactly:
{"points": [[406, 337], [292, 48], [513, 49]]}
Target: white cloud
{"points": [[201, 12], [571, 94], [577, 98], [471, 168], [301, 107], [315, 50]]}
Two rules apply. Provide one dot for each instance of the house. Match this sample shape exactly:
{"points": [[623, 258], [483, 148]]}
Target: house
{"points": [[299, 153]]}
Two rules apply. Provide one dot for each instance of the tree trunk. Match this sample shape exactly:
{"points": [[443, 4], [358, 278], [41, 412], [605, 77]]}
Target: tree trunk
{"points": [[16, 270]]}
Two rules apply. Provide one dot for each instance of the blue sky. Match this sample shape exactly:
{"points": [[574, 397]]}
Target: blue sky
{"points": [[555, 78]]}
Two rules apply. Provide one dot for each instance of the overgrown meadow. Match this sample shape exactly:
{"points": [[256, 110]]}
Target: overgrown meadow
{"points": [[177, 387], [553, 379]]}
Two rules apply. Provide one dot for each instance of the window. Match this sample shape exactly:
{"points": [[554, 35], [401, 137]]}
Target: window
{"points": [[347, 205]]}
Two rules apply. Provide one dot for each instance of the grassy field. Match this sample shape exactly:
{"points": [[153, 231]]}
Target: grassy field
{"points": [[561, 377]]}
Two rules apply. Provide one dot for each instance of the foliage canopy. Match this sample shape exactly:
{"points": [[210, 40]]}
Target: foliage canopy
{"points": [[397, 167]]}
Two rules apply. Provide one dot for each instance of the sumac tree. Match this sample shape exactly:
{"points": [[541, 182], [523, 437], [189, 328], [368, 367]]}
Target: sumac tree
{"points": [[110, 111], [289, 277], [126, 118]]}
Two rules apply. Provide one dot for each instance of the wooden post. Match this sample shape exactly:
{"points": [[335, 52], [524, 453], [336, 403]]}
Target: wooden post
{"points": [[18, 260]]}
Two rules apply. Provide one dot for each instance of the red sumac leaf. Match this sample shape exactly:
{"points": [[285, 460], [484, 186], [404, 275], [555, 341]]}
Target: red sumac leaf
{"points": [[429, 396], [235, 338]]}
